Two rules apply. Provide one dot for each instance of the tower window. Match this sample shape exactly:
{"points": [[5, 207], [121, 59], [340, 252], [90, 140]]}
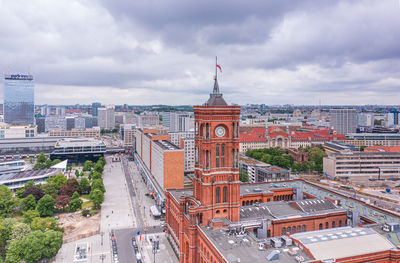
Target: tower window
{"points": [[217, 155], [224, 190], [223, 155], [217, 195]]}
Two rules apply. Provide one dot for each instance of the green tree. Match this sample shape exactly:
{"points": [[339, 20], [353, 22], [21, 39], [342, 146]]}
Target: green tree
{"points": [[58, 181], [19, 231], [29, 203], [243, 176], [52, 243], [95, 175], [77, 174], [29, 184], [84, 185], [33, 246], [45, 223], [98, 167], [316, 156], [49, 189], [87, 166], [7, 226], [54, 162], [45, 206], [30, 215], [7, 202], [102, 160], [41, 158], [75, 203], [14, 252], [97, 197], [98, 184]]}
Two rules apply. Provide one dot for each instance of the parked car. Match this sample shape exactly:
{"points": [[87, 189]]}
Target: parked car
{"points": [[134, 244]]}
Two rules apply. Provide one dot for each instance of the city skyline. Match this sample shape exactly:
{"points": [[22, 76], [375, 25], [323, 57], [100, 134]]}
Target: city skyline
{"points": [[339, 53]]}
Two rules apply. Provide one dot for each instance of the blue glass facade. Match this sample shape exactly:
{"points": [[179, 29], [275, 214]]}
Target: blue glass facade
{"points": [[19, 99]]}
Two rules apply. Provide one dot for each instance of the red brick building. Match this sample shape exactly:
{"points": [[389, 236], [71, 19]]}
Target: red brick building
{"points": [[220, 219]]}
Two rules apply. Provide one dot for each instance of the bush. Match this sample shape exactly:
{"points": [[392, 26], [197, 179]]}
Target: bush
{"points": [[85, 212]]}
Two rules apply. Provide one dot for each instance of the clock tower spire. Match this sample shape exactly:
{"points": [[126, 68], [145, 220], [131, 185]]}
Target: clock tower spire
{"points": [[216, 181]]}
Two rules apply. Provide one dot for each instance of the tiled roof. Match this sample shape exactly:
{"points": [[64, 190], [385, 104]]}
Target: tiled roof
{"points": [[382, 149]]}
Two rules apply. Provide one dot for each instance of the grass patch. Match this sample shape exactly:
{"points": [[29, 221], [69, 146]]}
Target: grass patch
{"points": [[87, 204]]}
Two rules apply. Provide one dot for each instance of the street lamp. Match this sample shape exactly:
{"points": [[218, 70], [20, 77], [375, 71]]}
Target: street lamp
{"points": [[156, 244], [102, 234], [102, 257]]}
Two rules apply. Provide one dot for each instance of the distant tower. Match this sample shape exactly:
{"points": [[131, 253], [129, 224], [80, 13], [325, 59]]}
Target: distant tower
{"points": [[216, 182]]}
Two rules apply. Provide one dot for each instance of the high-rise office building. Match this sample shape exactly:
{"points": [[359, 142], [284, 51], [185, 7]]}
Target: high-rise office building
{"points": [[181, 121], [393, 118], [106, 118], [343, 120], [19, 99], [95, 108]]}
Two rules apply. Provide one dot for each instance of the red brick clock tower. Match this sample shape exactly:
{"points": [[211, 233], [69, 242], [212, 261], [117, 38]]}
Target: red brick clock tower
{"points": [[216, 181]]}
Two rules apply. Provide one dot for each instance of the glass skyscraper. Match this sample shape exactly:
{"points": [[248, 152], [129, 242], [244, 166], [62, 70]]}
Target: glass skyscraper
{"points": [[19, 99]]}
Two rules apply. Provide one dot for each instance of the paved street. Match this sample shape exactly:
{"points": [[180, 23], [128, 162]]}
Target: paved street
{"points": [[116, 213], [146, 224]]}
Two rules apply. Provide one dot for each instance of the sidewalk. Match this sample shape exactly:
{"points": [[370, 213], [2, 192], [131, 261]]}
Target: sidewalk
{"points": [[145, 202]]}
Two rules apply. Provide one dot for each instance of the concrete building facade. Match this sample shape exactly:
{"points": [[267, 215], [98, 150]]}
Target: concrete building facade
{"points": [[106, 118], [343, 120]]}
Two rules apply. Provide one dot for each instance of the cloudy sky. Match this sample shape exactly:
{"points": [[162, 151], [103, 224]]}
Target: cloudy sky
{"points": [[163, 52]]}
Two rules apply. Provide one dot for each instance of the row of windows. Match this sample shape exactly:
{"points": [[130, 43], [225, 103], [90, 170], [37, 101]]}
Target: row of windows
{"points": [[294, 229]]}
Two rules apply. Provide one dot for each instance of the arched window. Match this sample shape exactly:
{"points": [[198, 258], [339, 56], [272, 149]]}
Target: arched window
{"points": [[224, 190], [333, 224], [320, 226], [340, 223], [243, 203], [303, 228], [217, 195], [223, 155], [283, 230], [298, 229], [251, 202], [288, 230], [326, 225], [197, 155], [196, 129], [217, 156], [247, 202], [293, 229]]}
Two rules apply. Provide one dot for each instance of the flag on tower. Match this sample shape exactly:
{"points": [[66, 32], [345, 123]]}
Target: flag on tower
{"points": [[218, 66]]}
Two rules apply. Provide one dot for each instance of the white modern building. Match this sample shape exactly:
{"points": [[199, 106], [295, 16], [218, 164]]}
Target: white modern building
{"points": [[106, 118], [8, 131]]}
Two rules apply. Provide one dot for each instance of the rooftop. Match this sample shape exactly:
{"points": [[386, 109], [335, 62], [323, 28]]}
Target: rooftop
{"points": [[342, 242], [81, 142], [247, 248], [167, 145], [25, 174]]}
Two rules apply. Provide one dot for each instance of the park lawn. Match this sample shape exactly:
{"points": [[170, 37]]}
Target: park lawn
{"points": [[87, 204]]}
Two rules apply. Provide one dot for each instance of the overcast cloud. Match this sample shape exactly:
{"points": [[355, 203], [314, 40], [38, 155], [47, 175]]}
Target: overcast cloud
{"points": [[163, 52]]}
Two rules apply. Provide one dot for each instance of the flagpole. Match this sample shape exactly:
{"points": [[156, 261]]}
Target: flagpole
{"points": [[216, 63]]}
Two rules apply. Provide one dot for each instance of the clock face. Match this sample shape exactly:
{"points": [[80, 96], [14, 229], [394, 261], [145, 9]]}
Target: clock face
{"points": [[220, 131]]}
